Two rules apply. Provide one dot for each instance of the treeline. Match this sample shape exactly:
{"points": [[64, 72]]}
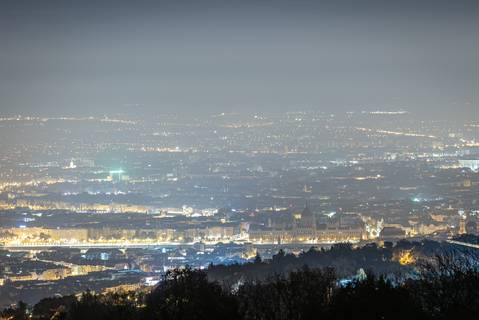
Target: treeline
{"points": [[343, 257], [446, 290]]}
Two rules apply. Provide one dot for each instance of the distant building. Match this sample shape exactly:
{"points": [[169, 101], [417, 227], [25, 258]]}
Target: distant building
{"points": [[472, 164], [392, 233], [471, 227], [306, 227], [306, 220]]}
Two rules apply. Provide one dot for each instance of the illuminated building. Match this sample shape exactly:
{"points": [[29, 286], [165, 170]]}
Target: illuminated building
{"points": [[306, 228], [117, 175], [374, 228], [472, 164], [406, 257], [462, 222]]}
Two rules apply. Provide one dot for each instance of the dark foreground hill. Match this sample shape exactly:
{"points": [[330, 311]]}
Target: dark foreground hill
{"points": [[446, 289]]}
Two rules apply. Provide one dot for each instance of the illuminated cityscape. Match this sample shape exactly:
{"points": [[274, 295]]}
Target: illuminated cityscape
{"points": [[226, 188], [239, 159]]}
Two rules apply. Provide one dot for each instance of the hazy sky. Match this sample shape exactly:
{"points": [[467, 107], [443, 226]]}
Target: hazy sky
{"points": [[90, 57]]}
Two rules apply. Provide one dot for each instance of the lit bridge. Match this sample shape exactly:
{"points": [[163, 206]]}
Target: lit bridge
{"points": [[464, 244], [92, 245]]}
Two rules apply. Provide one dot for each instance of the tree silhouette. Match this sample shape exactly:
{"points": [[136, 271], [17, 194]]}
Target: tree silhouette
{"points": [[445, 287], [187, 294], [49, 308], [17, 312]]}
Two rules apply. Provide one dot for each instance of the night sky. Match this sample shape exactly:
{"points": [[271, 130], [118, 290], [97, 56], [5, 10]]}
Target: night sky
{"points": [[106, 57]]}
